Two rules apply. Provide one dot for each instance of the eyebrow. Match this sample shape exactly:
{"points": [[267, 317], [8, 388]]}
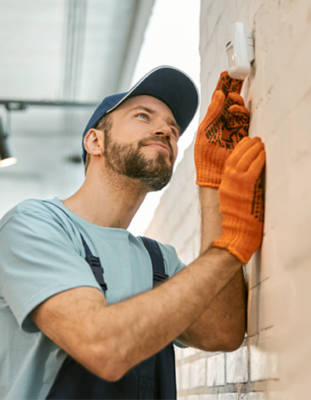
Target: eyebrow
{"points": [[169, 120]]}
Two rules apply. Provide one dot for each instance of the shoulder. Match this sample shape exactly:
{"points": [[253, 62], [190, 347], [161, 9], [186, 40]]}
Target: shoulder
{"points": [[36, 218], [35, 208], [30, 207]]}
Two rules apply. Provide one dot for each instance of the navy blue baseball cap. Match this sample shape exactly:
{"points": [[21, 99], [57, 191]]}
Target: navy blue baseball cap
{"points": [[168, 84]]}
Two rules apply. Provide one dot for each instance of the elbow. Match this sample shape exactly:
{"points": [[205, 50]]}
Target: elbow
{"points": [[106, 364], [224, 343], [232, 344], [233, 337], [110, 374], [232, 341]]}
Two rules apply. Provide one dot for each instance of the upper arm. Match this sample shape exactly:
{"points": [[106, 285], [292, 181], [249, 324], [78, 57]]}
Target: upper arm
{"points": [[38, 260], [71, 319]]}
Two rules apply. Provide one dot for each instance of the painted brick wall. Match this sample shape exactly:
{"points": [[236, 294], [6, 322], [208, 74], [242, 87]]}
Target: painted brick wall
{"points": [[274, 361]]}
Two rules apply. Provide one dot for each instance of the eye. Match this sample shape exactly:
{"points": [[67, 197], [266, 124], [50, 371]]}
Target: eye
{"points": [[143, 116], [175, 133]]}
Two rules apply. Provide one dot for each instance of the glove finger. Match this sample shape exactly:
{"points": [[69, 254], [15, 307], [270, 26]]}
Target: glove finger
{"points": [[237, 98], [231, 100], [249, 156], [239, 110], [236, 86], [258, 164], [214, 108], [223, 83], [240, 149], [237, 120]]}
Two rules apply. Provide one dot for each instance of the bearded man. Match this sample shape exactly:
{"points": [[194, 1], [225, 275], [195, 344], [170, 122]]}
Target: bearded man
{"points": [[87, 310]]}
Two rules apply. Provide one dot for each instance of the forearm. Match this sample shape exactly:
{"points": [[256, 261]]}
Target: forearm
{"points": [[221, 326], [109, 340], [210, 217], [140, 327]]}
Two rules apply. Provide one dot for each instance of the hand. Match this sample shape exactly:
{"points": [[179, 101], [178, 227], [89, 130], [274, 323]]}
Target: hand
{"points": [[225, 124], [241, 200]]}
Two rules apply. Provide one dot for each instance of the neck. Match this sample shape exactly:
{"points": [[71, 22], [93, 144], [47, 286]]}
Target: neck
{"points": [[107, 199]]}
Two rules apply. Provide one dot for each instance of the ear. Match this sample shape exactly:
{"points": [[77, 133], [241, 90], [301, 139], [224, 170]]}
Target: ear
{"points": [[94, 142]]}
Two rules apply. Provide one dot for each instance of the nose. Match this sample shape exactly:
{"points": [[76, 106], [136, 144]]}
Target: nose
{"points": [[163, 130]]}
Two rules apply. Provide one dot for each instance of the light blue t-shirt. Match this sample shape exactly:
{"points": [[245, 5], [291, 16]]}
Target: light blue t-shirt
{"points": [[41, 254]]}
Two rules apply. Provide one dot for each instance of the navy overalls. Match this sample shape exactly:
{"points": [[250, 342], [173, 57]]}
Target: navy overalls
{"points": [[153, 378]]}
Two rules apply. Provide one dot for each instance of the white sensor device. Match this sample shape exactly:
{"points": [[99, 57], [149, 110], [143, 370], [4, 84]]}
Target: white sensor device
{"points": [[240, 51]]}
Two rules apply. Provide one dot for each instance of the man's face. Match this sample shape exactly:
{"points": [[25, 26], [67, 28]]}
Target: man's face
{"points": [[142, 141]]}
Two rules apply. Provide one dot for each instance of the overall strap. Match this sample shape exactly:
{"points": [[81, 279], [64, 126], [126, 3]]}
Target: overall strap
{"points": [[155, 254], [94, 262]]}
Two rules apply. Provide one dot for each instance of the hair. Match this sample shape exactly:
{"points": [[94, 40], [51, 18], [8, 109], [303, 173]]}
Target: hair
{"points": [[104, 125]]}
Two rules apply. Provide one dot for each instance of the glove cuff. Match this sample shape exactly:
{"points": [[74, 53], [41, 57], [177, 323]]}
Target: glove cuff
{"points": [[212, 161], [238, 238]]}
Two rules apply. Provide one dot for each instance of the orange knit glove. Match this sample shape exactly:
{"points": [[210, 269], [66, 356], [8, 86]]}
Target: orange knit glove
{"points": [[241, 201], [224, 125]]}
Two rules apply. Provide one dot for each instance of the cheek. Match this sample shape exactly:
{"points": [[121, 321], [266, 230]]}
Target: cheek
{"points": [[175, 150], [132, 132]]}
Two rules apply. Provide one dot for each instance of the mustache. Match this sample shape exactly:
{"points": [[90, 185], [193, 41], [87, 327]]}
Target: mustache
{"points": [[156, 139]]}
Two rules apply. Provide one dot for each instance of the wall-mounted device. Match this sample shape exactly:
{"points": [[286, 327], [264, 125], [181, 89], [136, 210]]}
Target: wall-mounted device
{"points": [[240, 51]]}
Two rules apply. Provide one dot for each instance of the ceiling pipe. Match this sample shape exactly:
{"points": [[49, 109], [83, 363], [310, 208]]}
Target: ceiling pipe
{"points": [[19, 105]]}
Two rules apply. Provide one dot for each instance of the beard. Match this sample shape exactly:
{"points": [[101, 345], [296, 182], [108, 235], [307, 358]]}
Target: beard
{"points": [[127, 160]]}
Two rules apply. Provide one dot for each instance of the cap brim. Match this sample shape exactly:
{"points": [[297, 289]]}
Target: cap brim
{"points": [[171, 86]]}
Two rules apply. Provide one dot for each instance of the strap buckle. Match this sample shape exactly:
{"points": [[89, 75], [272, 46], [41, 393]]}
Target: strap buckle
{"points": [[98, 271]]}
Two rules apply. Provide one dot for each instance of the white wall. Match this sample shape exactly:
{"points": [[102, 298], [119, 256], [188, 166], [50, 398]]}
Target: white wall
{"points": [[273, 362]]}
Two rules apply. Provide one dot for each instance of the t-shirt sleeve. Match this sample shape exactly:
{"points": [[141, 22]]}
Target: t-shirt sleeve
{"points": [[171, 261], [38, 259]]}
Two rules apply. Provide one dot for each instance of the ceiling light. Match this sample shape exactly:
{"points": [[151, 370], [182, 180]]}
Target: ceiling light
{"points": [[6, 154]]}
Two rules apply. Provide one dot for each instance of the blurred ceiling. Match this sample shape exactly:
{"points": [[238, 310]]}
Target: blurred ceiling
{"points": [[60, 50]]}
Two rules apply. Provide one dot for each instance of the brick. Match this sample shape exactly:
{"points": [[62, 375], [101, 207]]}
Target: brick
{"points": [[254, 396], [220, 6], [216, 370], [275, 395], [264, 364], [243, 14], [252, 312], [237, 366], [208, 397], [223, 27], [211, 20], [177, 372], [188, 195], [209, 57], [269, 303], [254, 7], [184, 377], [205, 5], [228, 396], [263, 263], [198, 373], [264, 303], [267, 17], [189, 351], [178, 354]]}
